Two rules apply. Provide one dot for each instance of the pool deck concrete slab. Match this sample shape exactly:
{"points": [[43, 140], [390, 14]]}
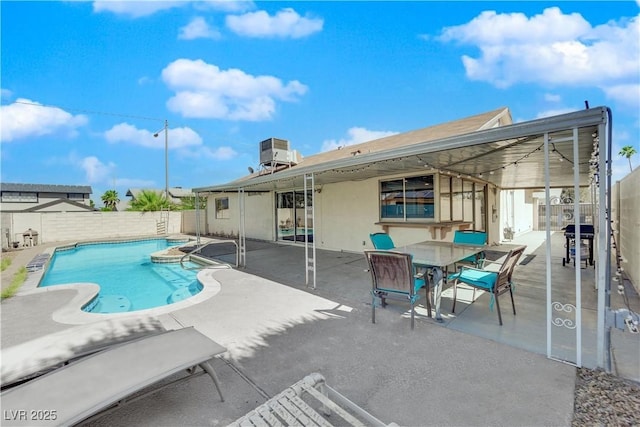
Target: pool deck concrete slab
{"points": [[277, 333]]}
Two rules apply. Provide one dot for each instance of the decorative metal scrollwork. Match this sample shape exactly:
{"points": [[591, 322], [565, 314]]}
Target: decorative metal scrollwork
{"points": [[567, 308]]}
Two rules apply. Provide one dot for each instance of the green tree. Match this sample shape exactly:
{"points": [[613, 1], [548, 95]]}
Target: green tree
{"points": [[149, 201], [628, 151], [189, 203], [110, 200]]}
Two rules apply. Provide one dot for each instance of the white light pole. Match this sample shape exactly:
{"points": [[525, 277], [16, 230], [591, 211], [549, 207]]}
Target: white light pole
{"points": [[166, 158]]}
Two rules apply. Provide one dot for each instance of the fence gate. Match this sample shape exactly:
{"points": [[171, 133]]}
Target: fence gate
{"points": [[563, 214]]}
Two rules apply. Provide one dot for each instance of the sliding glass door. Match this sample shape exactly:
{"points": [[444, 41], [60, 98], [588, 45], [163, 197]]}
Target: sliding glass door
{"points": [[290, 216]]}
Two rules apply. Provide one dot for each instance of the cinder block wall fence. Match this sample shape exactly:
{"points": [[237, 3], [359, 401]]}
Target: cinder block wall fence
{"points": [[72, 226], [625, 201]]}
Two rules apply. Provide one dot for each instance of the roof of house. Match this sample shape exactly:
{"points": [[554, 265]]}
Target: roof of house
{"points": [[62, 202], [45, 188], [487, 147]]}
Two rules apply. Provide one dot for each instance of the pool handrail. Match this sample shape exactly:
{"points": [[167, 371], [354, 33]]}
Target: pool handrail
{"points": [[199, 248]]}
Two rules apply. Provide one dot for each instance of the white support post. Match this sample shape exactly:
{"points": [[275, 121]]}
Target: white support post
{"points": [[547, 193], [197, 201], [603, 262], [578, 246], [310, 256], [242, 244]]}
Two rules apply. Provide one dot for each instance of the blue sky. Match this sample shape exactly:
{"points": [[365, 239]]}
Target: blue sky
{"points": [[85, 85]]}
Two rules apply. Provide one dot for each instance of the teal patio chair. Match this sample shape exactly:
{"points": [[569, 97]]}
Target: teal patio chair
{"points": [[494, 282], [473, 238], [382, 241], [393, 276]]}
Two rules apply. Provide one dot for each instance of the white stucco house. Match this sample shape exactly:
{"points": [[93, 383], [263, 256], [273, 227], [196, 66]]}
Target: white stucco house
{"points": [[419, 185]]}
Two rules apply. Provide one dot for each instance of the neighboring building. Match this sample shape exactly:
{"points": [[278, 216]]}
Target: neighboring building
{"points": [[45, 198], [176, 194]]}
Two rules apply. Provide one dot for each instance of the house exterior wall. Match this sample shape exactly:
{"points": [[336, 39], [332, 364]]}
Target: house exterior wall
{"points": [[44, 199], [345, 214], [516, 212], [189, 222], [259, 216], [626, 222], [79, 226]]}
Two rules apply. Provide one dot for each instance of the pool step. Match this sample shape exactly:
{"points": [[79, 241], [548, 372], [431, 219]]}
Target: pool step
{"points": [[112, 304]]}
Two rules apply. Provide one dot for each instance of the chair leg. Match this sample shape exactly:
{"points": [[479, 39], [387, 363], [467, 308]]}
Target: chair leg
{"points": [[513, 304], [413, 312], [498, 307], [373, 310], [455, 292]]}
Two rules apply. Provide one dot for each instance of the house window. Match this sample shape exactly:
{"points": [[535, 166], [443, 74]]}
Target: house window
{"points": [[222, 208], [409, 198], [76, 196], [16, 196], [461, 200]]}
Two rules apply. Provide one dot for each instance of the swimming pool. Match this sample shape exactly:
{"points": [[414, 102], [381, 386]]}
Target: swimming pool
{"points": [[128, 280]]}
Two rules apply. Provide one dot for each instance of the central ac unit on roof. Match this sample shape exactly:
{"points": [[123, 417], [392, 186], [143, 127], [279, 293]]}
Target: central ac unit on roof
{"points": [[274, 151]]}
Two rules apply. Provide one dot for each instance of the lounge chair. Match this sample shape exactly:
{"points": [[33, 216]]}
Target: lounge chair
{"points": [[77, 391], [302, 404]]}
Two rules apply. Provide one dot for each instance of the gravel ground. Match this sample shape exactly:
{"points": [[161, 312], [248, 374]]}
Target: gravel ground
{"points": [[603, 399]]}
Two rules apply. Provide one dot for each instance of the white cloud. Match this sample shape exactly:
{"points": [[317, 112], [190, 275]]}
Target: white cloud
{"points": [[552, 97], [205, 91], [554, 112], [95, 170], [220, 153], [29, 119], [144, 80], [178, 137], [285, 23], [551, 48], [628, 94], [5, 93], [198, 29], [134, 9], [356, 136], [225, 5]]}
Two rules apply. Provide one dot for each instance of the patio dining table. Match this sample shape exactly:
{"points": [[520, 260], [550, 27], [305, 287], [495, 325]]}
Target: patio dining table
{"points": [[437, 256]]}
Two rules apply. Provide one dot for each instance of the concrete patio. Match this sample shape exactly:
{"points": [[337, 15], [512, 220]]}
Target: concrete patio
{"points": [[277, 331]]}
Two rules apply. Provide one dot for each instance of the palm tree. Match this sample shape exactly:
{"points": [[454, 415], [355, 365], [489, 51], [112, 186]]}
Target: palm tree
{"points": [[628, 151], [149, 201], [111, 200]]}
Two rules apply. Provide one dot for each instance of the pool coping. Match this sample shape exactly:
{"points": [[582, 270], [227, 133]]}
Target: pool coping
{"points": [[72, 313]]}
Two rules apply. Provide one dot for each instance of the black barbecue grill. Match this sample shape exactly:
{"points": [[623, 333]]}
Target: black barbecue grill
{"points": [[575, 251]]}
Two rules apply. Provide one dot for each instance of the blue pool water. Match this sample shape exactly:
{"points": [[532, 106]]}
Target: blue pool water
{"points": [[128, 279]]}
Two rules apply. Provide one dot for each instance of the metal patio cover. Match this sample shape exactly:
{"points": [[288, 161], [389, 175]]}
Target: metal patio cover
{"points": [[510, 157]]}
